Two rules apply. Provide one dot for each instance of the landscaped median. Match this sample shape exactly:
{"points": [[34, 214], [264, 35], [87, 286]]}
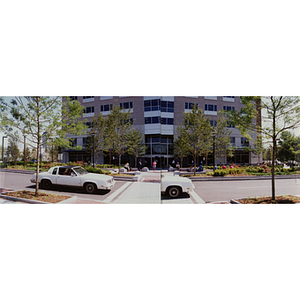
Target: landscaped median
{"points": [[243, 171], [285, 199], [42, 198]]}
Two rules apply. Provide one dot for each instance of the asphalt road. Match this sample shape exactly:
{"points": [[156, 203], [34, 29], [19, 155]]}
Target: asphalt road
{"points": [[209, 191], [18, 181]]}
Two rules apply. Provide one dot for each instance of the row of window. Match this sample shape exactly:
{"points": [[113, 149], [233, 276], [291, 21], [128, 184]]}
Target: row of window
{"points": [[154, 142], [208, 107], [108, 107], [158, 105], [157, 120]]}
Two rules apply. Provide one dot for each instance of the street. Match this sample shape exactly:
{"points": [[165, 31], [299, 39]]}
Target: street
{"points": [[148, 190]]}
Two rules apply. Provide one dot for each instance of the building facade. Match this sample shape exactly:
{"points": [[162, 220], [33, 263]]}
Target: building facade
{"points": [[158, 118]]}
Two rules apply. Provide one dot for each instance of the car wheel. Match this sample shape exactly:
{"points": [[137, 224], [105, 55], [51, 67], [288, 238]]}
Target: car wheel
{"points": [[174, 191], [46, 184], [90, 188]]}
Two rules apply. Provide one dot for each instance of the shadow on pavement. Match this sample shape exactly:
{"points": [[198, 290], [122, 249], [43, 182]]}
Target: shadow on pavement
{"points": [[67, 189], [181, 196]]}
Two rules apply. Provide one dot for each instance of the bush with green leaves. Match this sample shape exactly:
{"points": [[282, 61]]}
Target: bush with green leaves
{"points": [[219, 173]]}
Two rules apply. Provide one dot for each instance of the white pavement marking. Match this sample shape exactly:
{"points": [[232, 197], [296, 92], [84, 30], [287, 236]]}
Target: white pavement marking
{"points": [[197, 198], [117, 192]]}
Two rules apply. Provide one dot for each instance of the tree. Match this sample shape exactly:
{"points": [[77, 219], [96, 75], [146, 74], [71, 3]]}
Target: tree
{"points": [[257, 149], [118, 126], [135, 144], [181, 145], [96, 137], [222, 139], [27, 153], [13, 150], [41, 118], [281, 113], [196, 128], [289, 147]]}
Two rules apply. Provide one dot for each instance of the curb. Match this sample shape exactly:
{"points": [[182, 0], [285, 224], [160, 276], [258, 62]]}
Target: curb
{"points": [[243, 178], [30, 201], [17, 171]]}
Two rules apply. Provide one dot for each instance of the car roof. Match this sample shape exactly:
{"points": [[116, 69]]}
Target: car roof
{"points": [[68, 167]]}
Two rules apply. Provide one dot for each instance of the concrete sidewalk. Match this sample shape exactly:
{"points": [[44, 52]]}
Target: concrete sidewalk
{"points": [[136, 193]]}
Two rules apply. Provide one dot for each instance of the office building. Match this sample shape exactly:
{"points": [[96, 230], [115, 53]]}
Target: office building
{"points": [[157, 118]]}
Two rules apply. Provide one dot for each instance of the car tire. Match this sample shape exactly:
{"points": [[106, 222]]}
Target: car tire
{"points": [[90, 188], [174, 191], [46, 184]]}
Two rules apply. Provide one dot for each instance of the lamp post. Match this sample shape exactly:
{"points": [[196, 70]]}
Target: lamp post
{"points": [[4, 137]]}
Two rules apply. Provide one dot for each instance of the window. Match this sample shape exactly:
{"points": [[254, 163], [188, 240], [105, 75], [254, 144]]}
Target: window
{"points": [[167, 106], [244, 142], [156, 120], [126, 105], [89, 109], [152, 105], [106, 107], [74, 142], [73, 98], [54, 171], [84, 142], [229, 108], [159, 145], [189, 105], [88, 97], [232, 140], [89, 124], [213, 123], [211, 107]]}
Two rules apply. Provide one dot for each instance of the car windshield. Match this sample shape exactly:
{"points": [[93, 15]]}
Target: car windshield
{"points": [[80, 171]]}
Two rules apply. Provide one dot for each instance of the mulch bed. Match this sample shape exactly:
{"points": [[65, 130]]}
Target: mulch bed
{"points": [[286, 199], [44, 197]]}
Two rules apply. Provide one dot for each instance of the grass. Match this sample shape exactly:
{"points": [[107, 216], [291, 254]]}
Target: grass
{"points": [[44, 197]]}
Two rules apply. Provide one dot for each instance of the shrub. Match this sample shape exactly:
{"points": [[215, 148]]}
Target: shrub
{"points": [[220, 173]]}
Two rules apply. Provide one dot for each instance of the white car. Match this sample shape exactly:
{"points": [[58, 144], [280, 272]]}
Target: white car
{"points": [[74, 176], [174, 185]]}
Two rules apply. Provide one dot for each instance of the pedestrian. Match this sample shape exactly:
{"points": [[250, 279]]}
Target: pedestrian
{"points": [[127, 167], [224, 167], [216, 167], [178, 166], [173, 163], [154, 165], [140, 165]]}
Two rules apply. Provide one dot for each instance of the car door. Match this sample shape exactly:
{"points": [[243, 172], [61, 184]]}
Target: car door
{"points": [[64, 177]]}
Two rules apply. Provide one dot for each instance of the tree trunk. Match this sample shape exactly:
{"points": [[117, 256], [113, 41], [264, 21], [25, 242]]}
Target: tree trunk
{"points": [[119, 162], [181, 158], [135, 161], [37, 170], [273, 168]]}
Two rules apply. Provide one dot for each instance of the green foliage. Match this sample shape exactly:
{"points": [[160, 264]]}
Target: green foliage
{"points": [[135, 144], [219, 173], [222, 139], [42, 118], [95, 170], [13, 150], [197, 131]]}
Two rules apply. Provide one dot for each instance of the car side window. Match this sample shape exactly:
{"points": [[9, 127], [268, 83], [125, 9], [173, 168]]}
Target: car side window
{"points": [[54, 171], [62, 171]]}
